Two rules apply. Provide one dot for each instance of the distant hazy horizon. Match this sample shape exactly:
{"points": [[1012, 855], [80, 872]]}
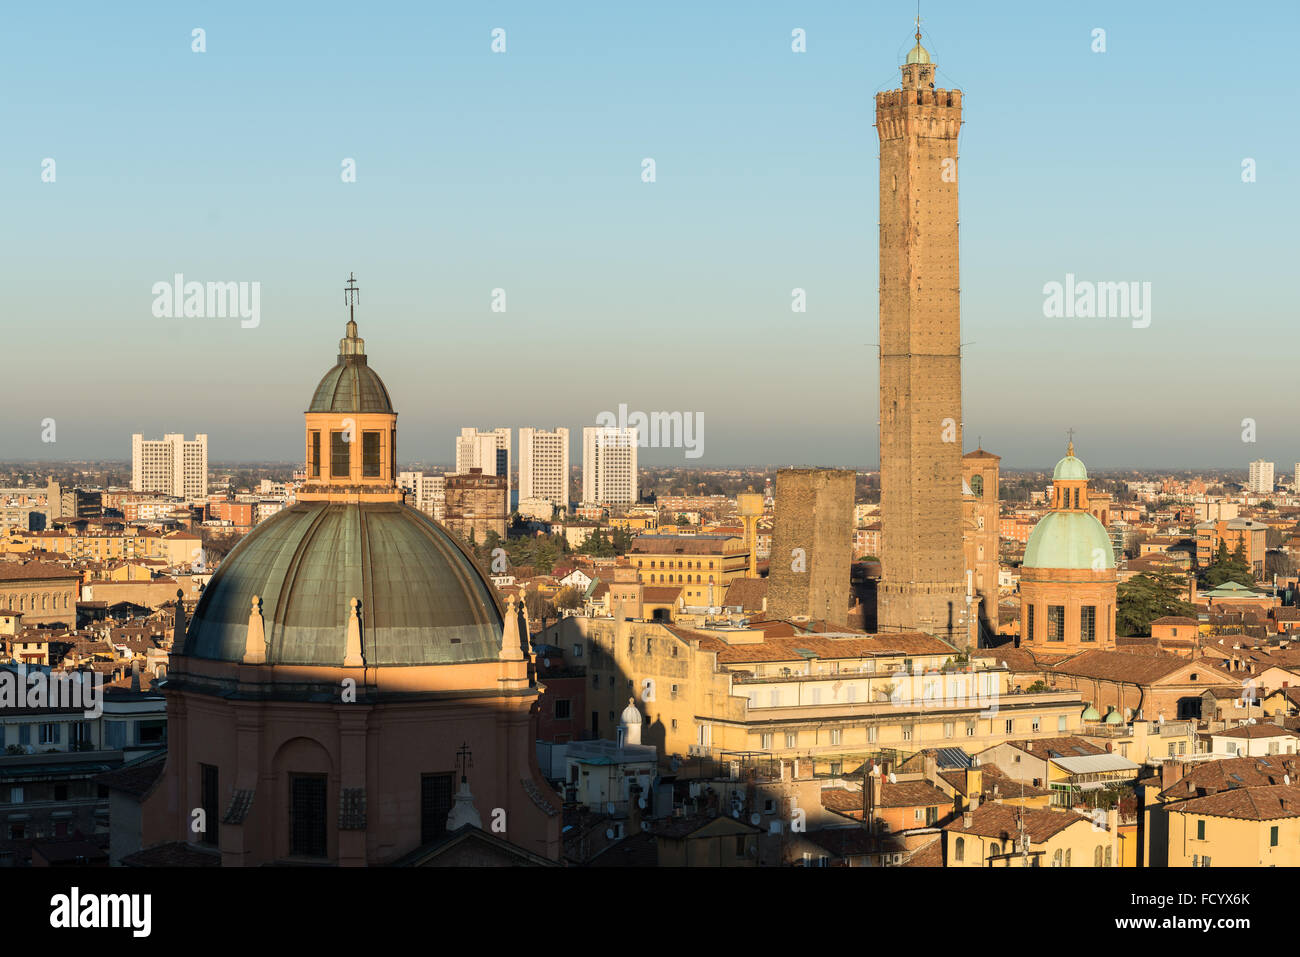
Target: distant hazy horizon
{"points": [[521, 171]]}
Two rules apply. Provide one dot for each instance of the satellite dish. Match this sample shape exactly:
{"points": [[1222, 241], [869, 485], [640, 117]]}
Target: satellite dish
{"points": [[1286, 779], [892, 779], [610, 805], [609, 833], [546, 662], [641, 803], [755, 818], [875, 771], [735, 812]]}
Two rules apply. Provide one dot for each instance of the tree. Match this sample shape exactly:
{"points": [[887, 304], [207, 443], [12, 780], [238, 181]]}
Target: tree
{"points": [[568, 598], [1227, 567], [597, 545], [537, 606], [1144, 598]]}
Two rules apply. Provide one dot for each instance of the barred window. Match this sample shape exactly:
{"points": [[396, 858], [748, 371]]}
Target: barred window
{"points": [[1088, 623], [1056, 623], [370, 454], [340, 456], [307, 815]]}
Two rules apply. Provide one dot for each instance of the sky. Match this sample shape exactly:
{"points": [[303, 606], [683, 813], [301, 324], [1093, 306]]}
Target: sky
{"points": [[521, 171]]}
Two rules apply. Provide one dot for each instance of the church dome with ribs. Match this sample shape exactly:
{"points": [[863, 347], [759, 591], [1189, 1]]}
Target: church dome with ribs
{"points": [[421, 597]]}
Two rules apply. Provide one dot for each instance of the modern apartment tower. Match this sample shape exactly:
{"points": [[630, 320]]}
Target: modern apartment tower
{"points": [[171, 466], [608, 465], [486, 450], [1261, 477], [923, 586], [544, 465]]}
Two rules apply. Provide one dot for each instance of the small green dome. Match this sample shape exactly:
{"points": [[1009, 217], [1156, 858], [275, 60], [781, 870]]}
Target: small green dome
{"points": [[1070, 469], [1114, 718], [1069, 540], [1091, 714], [918, 54]]}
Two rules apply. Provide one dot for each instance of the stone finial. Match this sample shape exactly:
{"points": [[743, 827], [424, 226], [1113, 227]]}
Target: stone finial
{"points": [[255, 642], [463, 810], [511, 645], [352, 650], [178, 632]]}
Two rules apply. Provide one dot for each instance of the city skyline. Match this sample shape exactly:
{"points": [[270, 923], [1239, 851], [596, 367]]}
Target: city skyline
{"points": [[780, 196]]}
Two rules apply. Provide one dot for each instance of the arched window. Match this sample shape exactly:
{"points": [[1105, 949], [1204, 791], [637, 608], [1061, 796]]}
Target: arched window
{"points": [[1108, 863], [1056, 858], [1067, 857], [959, 849], [995, 849], [1096, 857], [977, 485]]}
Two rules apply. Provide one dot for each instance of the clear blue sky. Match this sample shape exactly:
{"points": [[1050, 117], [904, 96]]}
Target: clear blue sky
{"points": [[522, 171]]}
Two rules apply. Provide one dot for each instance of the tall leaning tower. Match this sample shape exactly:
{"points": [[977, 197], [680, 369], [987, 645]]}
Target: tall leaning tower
{"points": [[924, 586]]}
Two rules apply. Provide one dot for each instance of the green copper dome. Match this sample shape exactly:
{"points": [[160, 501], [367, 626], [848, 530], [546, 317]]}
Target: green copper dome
{"points": [[1091, 714], [1112, 717], [1070, 540], [423, 599], [1070, 469], [918, 54], [351, 386]]}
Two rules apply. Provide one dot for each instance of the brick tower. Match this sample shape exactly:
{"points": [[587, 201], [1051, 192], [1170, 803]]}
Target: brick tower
{"points": [[924, 575]]}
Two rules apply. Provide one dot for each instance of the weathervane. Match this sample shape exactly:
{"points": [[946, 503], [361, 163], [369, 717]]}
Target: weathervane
{"points": [[351, 294], [1070, 434]]}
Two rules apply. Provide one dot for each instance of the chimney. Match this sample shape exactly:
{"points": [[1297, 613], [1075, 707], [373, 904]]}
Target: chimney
{"points": [[974, 786], [135, 675], [931, 767], [633, 808], [967, 820], [1170, 773]]}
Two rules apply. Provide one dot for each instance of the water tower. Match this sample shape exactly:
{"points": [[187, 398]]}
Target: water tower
{"points": [[750, 505]]}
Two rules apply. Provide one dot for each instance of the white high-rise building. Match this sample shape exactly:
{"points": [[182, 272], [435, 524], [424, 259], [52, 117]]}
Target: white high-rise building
{"points": [[1261, 477], [544, 466], [486, 450], [608, 466], [428, 492], [171, 466], [1295, 486]]}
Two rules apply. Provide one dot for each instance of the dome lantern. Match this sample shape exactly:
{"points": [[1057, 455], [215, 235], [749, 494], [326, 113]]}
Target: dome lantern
{"points": [[351, 426]]}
